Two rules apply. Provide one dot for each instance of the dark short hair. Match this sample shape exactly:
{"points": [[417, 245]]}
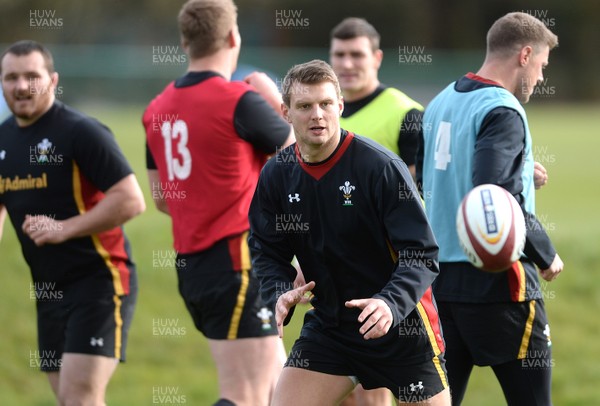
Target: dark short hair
{"points": [[205, 24], [26, 47], [309, 73], [354, 27]]}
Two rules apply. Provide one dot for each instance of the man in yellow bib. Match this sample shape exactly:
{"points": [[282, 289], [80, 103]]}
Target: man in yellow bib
{"points": [[384, 114]]}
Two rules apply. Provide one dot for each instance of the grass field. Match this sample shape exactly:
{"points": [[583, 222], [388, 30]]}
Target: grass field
{"points": [[179, 364]]}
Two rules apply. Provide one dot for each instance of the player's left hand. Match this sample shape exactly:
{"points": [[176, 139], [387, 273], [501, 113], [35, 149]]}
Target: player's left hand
{"points": [[376, 317], [44, 230], [540, 175], [288, 300]]}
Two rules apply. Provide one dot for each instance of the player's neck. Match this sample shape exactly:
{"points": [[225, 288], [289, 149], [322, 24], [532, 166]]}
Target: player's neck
{"points": [[26, 122], [316, 154], [352, 96], [499, 73], [220, 62]]}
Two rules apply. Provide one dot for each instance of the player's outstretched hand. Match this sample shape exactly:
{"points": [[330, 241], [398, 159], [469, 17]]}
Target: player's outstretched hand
{"points": [[288, 300], [44, 230], [556, 267], [376, 317], [540, 175], [266, 88]]}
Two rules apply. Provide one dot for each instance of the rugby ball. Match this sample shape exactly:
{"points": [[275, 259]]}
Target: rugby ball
{"points": [[491, 228]]}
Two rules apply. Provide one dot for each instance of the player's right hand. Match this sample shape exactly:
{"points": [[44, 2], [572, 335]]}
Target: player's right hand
{"points": [[288, 300], [556, 267], [265, 86], [540, 175]]}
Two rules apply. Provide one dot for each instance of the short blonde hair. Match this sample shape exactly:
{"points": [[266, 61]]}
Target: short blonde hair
{"points": [[516, 30], [205, 25]]}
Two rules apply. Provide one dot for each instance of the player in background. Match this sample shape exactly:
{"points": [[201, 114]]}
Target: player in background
{"points": [[67, 189], [474, 132], [208, 138], [382, 113], [318, 199]]}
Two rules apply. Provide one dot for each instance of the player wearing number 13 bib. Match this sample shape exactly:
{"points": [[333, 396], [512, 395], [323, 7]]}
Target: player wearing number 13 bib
{"points": [[209, 138], [207, 141]]}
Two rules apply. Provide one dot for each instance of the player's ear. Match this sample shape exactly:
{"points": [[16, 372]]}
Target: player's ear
{"points": [[525, 54], [233, 38], [54, 79], [378, 57], [285, 110]]}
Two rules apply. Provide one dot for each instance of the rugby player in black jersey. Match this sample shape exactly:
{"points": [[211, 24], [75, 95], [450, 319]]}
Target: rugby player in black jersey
{"points": [[67, 189], [367, 253]]}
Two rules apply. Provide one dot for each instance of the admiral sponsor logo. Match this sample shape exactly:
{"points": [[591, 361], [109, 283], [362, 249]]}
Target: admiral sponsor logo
{"points": [[17, 183]]}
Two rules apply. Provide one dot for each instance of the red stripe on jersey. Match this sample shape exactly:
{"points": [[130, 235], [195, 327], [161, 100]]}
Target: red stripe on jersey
{"points": [[478, 78], [516, 282], [433, 317], [109, 244], [319, 170], [239, 252]]}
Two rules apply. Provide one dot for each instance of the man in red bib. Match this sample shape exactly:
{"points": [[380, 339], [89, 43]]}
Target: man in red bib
{"points": [[207, 140]]}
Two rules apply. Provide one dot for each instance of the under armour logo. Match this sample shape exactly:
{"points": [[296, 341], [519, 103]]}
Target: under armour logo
{"points": [[295, 198], [418, 386], [2, 154], [97, 342]]}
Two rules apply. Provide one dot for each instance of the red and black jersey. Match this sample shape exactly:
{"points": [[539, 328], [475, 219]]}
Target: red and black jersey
{"points": [[357, 226], [209, 139], [60, 167]]}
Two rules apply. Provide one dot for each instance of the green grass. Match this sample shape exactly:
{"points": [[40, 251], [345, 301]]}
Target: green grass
{"points": [[565, 143]]}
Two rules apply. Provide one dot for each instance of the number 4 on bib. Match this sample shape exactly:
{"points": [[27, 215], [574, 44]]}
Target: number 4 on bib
{"points": [[442, 155]]}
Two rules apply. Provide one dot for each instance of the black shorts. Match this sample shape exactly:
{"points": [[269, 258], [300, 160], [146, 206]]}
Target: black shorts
{"points": [[415, 381], [72, 322], [221, 292], [495, 333]]}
